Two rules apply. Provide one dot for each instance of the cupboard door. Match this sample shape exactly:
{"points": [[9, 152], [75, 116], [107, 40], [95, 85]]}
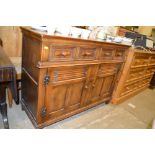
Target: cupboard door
{"points": [[102, 88], [61, 99], [64, 92]]}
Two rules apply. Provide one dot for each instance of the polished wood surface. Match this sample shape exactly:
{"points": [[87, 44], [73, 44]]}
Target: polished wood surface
{"points": [[63, 76], [136, 75]]}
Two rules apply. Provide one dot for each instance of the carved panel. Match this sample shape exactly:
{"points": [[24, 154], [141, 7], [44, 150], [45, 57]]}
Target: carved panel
{"points": [[107, 69], [62, 53], [68, 73], [87, 53], [107, 53], [119, 54]]}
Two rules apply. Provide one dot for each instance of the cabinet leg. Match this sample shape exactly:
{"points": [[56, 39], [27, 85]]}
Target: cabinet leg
{"points": [[3, 108], [152, 87], [107, 102], [22, 107], [17, 102]]}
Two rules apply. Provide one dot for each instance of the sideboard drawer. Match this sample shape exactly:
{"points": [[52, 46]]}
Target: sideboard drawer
{"points": [[135, 85], [67, 74], [151, 70], [119, 54], [129, 88], [135, 74], [87, 53], [62, 53], [140, 60], [107, 69], [152, 61], [107, 54]]}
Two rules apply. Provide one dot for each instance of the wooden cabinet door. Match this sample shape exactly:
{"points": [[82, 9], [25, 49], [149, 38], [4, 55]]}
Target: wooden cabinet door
{"points": [[102, 87], [64, 91]]}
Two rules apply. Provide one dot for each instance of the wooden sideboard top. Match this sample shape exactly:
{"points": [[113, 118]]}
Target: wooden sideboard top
{"points": [[44, 36]]}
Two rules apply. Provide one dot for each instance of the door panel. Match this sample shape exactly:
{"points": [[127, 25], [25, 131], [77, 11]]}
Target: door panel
{"points": [[107, 86], [97, 88], [75, 93], [102, 88], [55, 98], [63, 98]]}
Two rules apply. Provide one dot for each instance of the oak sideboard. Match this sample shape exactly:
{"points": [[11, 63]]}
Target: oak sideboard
{"points": [[63, 76]]}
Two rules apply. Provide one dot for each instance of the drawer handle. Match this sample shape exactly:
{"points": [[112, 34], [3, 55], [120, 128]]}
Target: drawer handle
{"points": [[86, 54], [107, 54], [64, 54], [119, 54], [93, 85], [127, 88]]}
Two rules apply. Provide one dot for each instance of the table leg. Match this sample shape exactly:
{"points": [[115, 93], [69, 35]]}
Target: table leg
{"points": [[3, 106]]}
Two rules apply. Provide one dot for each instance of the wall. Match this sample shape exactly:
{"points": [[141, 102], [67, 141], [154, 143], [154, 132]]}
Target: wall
{"points": [[146, 30], [12, 40]]}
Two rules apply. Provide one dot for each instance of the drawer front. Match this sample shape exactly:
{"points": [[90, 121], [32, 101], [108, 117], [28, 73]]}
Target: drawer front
{"points": [[107, 53], [129, 88], [62, 53], [119, 54], [150, 70], [107, 69], [87, 53], [152, 61], [140, 60], [135, 86], [136, 74], [68, 73]]}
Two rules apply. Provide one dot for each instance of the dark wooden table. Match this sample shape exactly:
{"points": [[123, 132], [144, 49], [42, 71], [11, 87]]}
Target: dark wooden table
{"points": [[7, 80]]}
